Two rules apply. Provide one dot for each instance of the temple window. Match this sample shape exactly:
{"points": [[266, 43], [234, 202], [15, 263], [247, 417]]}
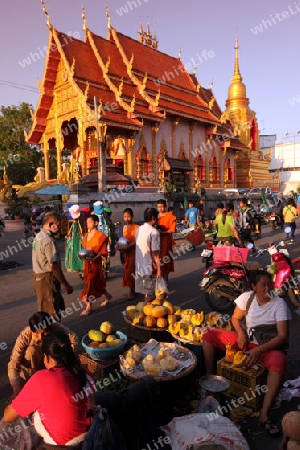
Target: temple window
{"points": [[228, 171], [214, 174], [200, 168], [143, 163]]}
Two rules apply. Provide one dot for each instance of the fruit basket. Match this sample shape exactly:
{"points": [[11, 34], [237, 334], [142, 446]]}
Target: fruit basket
{"points": [[104, 354], [186, 361]]}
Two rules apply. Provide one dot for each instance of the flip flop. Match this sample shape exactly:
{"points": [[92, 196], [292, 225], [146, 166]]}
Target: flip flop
{"points": [[86, 312], [271, 428]]}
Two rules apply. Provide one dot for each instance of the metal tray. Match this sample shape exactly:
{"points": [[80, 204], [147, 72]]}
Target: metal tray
{"points": [[214, 383]]}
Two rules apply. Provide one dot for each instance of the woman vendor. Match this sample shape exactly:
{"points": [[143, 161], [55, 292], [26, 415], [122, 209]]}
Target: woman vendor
{"points": [[259, 306], [166, 226], [95, 284], [128, 230], [56, 395]]}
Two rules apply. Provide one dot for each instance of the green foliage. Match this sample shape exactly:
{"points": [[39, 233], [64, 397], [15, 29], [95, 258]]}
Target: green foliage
{"points": [[19, 158]]}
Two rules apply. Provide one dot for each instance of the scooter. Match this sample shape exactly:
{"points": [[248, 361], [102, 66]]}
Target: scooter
{"points": [[224, 281], [275, 221]]}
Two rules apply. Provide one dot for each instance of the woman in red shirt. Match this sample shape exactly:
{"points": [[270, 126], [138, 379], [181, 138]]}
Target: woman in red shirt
{"points": [[58, 396]]}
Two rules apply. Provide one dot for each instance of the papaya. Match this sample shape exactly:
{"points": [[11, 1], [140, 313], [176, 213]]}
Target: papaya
{"points": [[169, 306], [162, 322], [159, 311], [138, 318], [238, 358], [106, 327], [172, 318], [174, 328], [115, 343], [149, 321], [97, 336], [212, 318], [140, 306], [197, 318], [147, 310]]}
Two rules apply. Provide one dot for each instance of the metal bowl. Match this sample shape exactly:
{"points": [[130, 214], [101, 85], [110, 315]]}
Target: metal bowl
{"points": [[123, 241], [85, 253], [214, 383]]}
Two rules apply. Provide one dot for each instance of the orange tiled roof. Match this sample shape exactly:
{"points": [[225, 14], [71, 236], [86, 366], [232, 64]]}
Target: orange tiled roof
{"points": [[98, 67]]}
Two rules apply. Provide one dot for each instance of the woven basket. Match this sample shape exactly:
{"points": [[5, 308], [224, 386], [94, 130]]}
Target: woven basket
{"points": [[186, 371], [104, 354]]}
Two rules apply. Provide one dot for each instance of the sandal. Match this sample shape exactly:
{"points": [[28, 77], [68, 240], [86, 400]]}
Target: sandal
{"points": [[271, 428]]}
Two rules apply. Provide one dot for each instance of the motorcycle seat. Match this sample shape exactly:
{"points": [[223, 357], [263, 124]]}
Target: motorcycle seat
{"points": [[253, 265]]}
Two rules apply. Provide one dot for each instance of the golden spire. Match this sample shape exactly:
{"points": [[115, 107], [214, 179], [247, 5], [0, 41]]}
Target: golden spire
{"points": [[236, 74], [141, 34], [83, 17], [108, 17], [46, 14]]}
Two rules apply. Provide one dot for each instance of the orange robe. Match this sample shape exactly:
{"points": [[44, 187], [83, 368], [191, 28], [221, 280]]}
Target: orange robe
{"points": [[93, 275], [129, 257], [167, 223]]}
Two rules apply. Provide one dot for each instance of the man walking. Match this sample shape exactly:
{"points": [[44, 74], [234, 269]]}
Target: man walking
{"points": [[47, 273], [191, 216], [245, 220], [147, 251]]}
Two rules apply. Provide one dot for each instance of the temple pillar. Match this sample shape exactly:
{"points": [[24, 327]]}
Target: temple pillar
{"points": [[45, 149], [154, 129]]}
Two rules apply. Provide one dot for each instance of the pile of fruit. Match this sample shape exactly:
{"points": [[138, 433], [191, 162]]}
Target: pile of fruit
{"points": [[104, 337], [236, 357], [191, 325], [156, 314], [186, 324]]}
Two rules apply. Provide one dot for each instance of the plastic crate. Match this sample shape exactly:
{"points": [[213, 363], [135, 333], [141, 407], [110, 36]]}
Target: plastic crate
{"points": [[243, 383], [232, 254]]}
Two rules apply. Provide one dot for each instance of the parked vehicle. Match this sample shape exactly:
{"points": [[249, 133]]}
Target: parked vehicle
{"points": [[224, 281], [2, 226]]}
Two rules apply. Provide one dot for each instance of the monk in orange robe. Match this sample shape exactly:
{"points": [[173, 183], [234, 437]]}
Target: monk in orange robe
{"points": [[95, 283], [128, 253], [167, 226]]}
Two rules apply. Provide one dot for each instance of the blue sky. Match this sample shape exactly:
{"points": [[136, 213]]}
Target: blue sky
{"points": [[268, 37]]}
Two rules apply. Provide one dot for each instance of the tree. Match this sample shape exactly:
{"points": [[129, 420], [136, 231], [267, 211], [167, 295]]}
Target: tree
{"points": [[19, 158]]}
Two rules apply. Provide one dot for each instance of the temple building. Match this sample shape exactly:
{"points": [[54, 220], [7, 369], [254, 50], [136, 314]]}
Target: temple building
{"points": [[155, 123], [252, 164]]}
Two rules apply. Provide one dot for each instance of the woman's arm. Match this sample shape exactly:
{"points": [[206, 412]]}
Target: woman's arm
{"points": [[10, 414], [236, 321]]}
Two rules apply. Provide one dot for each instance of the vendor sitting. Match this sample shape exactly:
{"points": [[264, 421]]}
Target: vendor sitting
{"points": [[259, 307], [58, 397], [27, 357]]}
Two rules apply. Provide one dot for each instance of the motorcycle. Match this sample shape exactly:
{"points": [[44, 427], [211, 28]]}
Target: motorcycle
{"points": [[275, 221], [224, 281]]}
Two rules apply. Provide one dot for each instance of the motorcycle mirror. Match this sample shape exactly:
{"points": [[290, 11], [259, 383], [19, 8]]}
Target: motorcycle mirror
{"points": [[287, 230], [250, 245]]}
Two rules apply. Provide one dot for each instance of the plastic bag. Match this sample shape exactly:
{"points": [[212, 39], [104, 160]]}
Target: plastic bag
{"points": [[161, 287], [104, 434]]}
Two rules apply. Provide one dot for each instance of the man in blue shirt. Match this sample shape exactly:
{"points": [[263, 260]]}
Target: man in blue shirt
{"points": [[191, 216]]}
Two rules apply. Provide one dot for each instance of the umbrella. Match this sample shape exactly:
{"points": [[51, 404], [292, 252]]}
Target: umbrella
{"points": [[57, 189]]}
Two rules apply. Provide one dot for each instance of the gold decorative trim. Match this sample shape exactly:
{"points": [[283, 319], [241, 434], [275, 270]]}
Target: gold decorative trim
{"points": [[46, 14], [134, 79], [110, 84], [84, 18]]}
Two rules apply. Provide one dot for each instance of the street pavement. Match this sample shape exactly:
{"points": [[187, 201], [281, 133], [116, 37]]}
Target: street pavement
{"points": [[18, 303]]}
